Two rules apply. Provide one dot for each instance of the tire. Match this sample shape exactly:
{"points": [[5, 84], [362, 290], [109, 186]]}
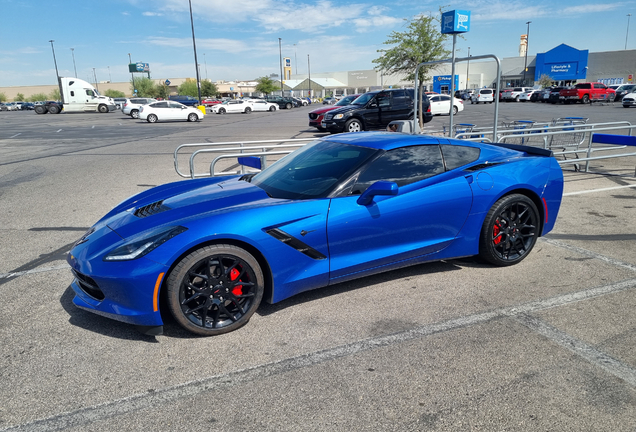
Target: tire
{"points": [[455, 110], [192, 117], [215, 289], [471, 102], [247, 110], [134, 114], [517, 99], [353, 125], [288, 106], [102, 109], [221, 110], [152, 118], [54, 109], [40, 109], [272, 108], [510, 230], [585, 99]]}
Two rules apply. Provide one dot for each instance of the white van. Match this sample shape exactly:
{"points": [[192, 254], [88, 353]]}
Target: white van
{"points": [[483, 95]]}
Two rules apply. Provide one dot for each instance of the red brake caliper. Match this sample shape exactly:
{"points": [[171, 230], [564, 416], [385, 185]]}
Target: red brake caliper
{"points": [[234, 274], [495, 232]]}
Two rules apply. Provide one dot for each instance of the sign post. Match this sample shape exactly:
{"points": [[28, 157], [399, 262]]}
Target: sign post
{"points": [[454, 22]]}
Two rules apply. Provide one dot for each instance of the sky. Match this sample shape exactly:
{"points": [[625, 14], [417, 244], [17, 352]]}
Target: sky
{"points": [[239, 39]]}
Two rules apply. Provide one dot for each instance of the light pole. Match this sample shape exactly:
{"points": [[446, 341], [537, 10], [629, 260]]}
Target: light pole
{"points": [[295, 59], [525, 63], [206, 66], [132, 77], [73, 54], [280, 53], [110, 78], [467, 70], [194, 45], [55, 61], [95, 76], [309, 73], [626, 34]]}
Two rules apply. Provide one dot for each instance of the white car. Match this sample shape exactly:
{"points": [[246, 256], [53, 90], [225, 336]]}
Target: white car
{"points": [[629, 100], [232, 106], [262, 105], [440, 104], [525, 96], [484, 95], [131, 106], [168, 110], [12, 106]]}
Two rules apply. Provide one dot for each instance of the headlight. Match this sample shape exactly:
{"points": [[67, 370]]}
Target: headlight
{"points": [[141, 246], [338, 116]]}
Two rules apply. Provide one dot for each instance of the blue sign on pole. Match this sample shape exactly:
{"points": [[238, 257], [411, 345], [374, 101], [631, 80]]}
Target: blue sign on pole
{"points": [[167, 82], [455, 21]]}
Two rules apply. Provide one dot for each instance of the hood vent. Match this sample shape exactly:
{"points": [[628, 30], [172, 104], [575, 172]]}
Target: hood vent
{"points": [[151, 209]]}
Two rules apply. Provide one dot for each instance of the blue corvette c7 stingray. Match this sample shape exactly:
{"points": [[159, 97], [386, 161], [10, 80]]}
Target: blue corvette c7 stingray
{"points": [[342, 207]]}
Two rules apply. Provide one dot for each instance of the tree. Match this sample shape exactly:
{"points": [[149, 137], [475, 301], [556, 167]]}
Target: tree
{"points": [[38, 97], [55, 95], [18, 97], [189, 88], [545, 80], [144, 86], [266, 85], [162, 91], [209, 89], [114, 93], [422, 42], [3, 97]]}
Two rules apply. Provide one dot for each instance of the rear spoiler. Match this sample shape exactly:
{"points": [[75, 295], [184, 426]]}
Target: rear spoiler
{"points": [[526, 149]]}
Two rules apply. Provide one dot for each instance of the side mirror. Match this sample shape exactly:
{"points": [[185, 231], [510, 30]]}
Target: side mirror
{"points": [[373, 104], [378, 188]]}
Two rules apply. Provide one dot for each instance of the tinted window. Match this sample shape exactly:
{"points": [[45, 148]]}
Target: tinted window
{"points": [[160, 105], [403, 166], [456, 156], [175, 105], [384, 99], [583, 86]]}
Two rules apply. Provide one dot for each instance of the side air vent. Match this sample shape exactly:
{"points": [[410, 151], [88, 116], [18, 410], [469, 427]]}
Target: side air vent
{"points": [[482, 166], [151, 209], [296, 244]]}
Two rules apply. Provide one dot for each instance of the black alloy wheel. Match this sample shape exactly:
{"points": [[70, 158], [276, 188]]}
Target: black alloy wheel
{"points": [[510, 230], [215, 289]]}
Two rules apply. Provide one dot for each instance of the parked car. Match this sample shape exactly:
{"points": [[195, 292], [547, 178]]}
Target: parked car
{"points": [[168, 111], [536, 96], [545, 94], [316, 116], [282, 102], [301, 101], [131, 106], [329, 101], [629, 100], [208, 251], [12, 106], [622, 90], [232, 106], [440, 104], [555, 95], [375, 109], [526, 95], [185, 100], [586, 92], [3, 107], [484, 95], [512, 94], [210, 102], [119, 102], [262, 105]]}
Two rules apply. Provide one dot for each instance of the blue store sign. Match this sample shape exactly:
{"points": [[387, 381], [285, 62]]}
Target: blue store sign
{"points": [[455, 21]]}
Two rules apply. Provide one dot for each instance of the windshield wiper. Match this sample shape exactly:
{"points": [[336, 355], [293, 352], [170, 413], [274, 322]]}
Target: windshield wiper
{"points": [[247, 177]]}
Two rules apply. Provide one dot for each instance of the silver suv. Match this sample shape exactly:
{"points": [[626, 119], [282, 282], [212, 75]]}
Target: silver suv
{"points": [[131, 106]]}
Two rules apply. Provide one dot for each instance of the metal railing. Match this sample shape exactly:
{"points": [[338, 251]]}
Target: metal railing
{"points": [[241, 148]]}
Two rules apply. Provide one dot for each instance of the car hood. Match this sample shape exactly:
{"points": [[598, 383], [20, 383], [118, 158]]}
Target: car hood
{"points": [[177, 203], [324, 109], [346, 109]]}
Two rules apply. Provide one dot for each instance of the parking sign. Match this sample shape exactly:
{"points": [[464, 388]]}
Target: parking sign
{"points": [[455, 21]]}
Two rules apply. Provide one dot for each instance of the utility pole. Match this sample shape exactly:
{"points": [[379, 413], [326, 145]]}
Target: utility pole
{"points": [[525, 63], [73, 54], [280, 52]]}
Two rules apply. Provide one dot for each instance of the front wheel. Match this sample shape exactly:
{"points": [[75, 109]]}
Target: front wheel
{"points": [[272, 108], [221, 110], [585, 99], [214, 290], [192, 117], [40, 109], [102, 109], [248, 110], [353, 125], [510, 230], [152, 118]]}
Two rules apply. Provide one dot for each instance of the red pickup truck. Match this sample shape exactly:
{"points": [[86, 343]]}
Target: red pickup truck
{"points": [[586, 92]]}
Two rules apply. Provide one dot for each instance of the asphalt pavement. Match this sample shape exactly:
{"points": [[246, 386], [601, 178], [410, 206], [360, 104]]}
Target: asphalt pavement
{"points": [[546, 345]]}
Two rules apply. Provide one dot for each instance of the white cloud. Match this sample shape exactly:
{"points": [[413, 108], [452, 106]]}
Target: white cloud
{"points": [[152, 14]]}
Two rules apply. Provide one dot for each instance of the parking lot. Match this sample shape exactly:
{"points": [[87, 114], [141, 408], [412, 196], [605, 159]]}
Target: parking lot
{"points": [[548, 344]]}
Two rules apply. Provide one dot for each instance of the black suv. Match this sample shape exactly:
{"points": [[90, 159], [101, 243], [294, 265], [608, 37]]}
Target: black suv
{"points": [[374, 110], [283, 102]]}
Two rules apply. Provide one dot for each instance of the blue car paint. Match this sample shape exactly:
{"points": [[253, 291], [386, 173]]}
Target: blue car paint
{"points": [[355, 240]]}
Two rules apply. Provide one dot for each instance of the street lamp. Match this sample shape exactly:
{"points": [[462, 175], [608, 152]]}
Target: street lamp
{"points": [[55, 61], [295, 59], [309, 73], [628, 16], [95, 76], [73, 54], [280, 52], [467, 70], [110, 78], [132, 77], [194, 45], [525, 63], [206, 66]]}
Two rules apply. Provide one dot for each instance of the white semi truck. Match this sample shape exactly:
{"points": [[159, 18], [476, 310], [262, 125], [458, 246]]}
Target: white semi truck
{"points": [[78, 96]]}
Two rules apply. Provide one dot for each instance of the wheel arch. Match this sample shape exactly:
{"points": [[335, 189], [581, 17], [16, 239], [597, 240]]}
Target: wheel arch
{"points": [[265, 268], [536, 199]]}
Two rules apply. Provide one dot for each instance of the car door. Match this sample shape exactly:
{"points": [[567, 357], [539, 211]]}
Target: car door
{"points": [[437, 105], [176, 111], [425, 216]]}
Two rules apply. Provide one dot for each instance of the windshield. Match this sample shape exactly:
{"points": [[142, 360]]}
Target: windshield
{"points": [[313, 171], [346, 100], [362, 100]]}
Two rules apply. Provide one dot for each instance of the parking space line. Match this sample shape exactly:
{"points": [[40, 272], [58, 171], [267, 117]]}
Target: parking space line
{"points": [[59, 130], [580, 348], [589, 253], [36, 270], [160, 396], [16, 135], [598, 190]]}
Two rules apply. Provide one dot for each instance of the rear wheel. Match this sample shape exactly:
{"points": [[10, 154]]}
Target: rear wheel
{"points": [[510, 230], [152, 118], [272, 108], [248, 110], [455, 110], [221, 110], [215, 289], [134, 114], [288, 106], [54, 109], [192, 117], [40, 109], [585, 99]]}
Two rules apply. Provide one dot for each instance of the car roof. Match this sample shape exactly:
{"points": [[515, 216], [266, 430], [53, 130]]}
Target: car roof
{"points": [[385, 140]]}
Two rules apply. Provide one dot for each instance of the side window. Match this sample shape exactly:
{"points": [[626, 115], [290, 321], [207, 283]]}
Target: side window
{"points": [[175, 105], [89, 92], [456, 156], [383, 99], [403, 166], [160, 105]]}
